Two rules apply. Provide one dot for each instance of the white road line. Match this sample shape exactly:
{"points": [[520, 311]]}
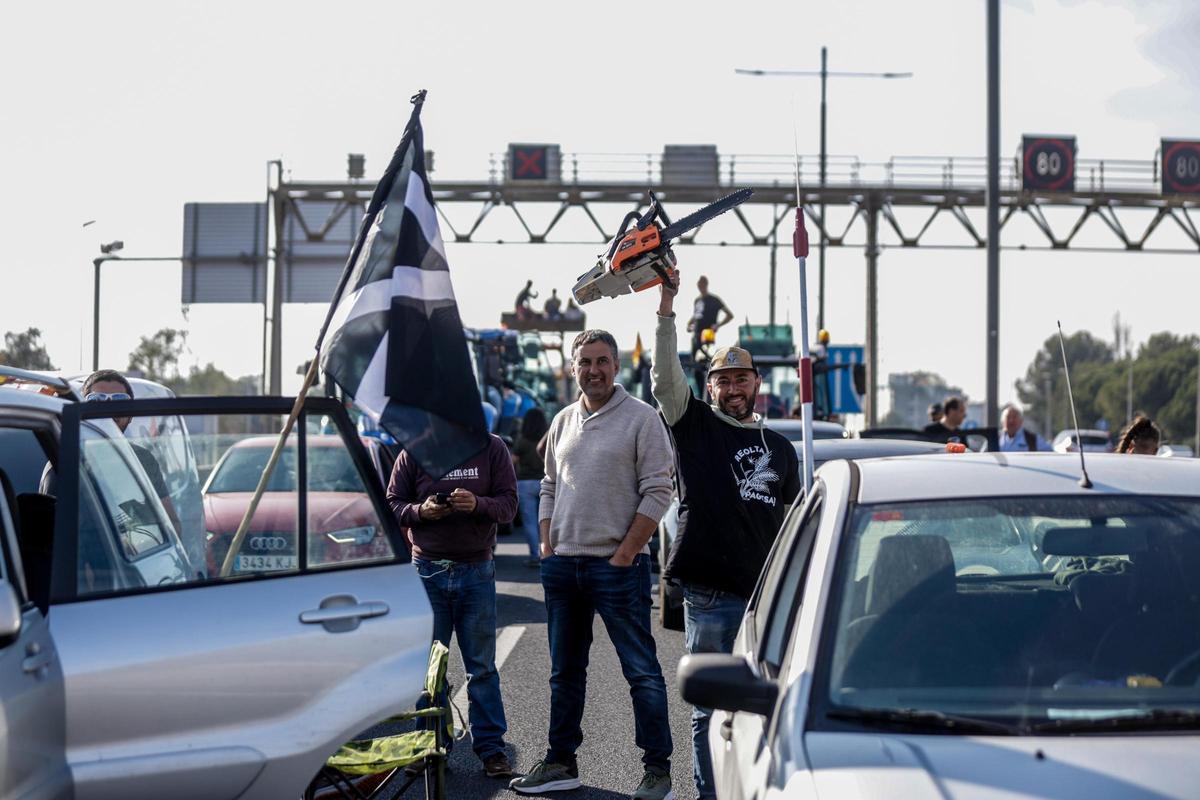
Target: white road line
{"points": [[506, 640]]}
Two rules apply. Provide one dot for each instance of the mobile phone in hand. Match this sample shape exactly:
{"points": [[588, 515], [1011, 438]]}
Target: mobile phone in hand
{"points": [[442, 498]]}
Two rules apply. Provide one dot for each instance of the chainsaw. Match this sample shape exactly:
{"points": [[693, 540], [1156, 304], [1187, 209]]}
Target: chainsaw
{"points": [[641, 258]]}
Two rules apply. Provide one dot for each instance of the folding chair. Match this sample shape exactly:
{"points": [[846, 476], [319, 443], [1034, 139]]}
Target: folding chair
{"points": [[362, 769]]}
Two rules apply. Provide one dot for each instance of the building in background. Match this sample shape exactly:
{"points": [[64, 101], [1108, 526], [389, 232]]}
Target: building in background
{"points": [[912, 392]]}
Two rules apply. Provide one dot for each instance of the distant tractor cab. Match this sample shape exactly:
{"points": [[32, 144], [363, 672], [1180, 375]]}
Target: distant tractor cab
{"points": [[774, 352]]}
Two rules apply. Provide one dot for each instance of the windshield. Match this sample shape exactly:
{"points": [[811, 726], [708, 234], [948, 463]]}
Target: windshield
{"points": [[330, 469], [1021, 609]]}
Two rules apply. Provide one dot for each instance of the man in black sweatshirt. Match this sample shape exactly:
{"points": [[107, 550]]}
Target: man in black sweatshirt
{"points": [[736, 482]]}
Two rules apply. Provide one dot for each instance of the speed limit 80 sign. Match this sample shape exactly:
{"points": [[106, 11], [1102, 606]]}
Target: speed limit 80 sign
{"points": [[1048, 163], [1180, 166]]}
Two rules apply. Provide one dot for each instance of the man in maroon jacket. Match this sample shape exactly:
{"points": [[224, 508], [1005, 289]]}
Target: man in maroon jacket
{"points": [[452, 529]]}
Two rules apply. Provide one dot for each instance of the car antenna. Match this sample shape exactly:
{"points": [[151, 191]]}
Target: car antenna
{"points": [[1085, 481]]}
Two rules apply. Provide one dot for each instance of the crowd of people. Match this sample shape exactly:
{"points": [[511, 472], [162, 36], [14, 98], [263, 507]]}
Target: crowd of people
{"points": [[591, 486], [735, 479]]}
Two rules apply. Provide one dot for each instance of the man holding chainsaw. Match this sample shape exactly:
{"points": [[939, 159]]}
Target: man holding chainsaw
{"points": [[736, 482]]}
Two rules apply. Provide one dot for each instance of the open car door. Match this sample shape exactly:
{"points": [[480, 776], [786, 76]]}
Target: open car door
{"points": [[238, 676]]}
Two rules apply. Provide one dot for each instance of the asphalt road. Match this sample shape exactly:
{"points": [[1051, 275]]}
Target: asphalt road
{"points": [[609, 761]]}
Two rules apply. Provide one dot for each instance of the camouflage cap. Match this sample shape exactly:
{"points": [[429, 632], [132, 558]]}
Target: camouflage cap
{"points": [[730, 358]]}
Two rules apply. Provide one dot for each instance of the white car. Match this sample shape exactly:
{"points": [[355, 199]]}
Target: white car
{"points": [[1175, 451], [125, 671], [670, 594], [793, 429], [1094, 441], [969, 626]]}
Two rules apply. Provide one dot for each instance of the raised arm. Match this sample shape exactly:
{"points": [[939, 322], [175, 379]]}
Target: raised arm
{"points": [[667, 381]]}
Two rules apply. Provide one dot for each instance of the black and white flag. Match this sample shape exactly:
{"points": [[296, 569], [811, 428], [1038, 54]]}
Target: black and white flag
{"points": [[394, 340]]}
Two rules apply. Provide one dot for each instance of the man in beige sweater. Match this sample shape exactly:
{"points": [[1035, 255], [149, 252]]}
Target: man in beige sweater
{"points": [[609, 478]]}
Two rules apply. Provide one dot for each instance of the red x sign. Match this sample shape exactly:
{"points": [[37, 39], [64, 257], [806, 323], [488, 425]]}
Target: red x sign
{"points": [[529, 164]]}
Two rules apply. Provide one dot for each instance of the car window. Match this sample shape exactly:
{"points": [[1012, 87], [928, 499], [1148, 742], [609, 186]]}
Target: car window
{"points": [[789, 587], [761, 604], [114, 467], [136, 533], [1023, 609]]}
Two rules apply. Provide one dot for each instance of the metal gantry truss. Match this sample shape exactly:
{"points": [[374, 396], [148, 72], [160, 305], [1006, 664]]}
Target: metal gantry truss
{"points": [[1106, 194]]}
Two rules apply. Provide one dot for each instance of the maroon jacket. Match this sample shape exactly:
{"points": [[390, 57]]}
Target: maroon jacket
{"points": [[460, 537]]}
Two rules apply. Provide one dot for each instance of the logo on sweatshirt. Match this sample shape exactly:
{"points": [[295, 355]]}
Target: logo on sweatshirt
{"points": [[470, 473], [754, 476]]}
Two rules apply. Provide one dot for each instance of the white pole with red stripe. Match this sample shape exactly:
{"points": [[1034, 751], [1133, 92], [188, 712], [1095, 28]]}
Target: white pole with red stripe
{"points": [[800, 250]]}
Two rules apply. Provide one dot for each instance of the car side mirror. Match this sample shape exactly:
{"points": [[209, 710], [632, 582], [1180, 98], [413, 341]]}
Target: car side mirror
{"points": [[717, 680], [10, 614]]}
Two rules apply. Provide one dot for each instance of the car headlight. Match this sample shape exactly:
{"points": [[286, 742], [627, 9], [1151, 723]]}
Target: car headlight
{"points": [[360, 535]]}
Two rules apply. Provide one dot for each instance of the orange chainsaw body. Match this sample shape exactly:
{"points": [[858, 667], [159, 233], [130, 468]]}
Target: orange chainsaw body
{"points": [[632, 251]]}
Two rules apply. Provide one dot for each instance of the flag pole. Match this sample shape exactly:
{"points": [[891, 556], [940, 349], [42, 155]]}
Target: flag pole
{"points": [[804, 368], [377, 200]]}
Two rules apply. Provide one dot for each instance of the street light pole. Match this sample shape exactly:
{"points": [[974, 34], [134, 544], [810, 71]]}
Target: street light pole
{"points": [[110, 254], [821, 238]]}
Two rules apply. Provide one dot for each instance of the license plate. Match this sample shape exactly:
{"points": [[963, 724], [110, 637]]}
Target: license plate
{"points": [[264, 563]]}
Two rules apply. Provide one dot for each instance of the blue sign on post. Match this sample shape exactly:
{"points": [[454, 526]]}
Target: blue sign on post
{"points": [[843, 399]]}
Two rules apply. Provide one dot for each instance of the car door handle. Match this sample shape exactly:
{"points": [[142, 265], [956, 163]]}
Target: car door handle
{"points": [[36, 662], [342, 613]]}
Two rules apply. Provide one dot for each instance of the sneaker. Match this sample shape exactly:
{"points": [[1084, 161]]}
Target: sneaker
{"points": [[547, 777], [497, 766], [655, 785]]}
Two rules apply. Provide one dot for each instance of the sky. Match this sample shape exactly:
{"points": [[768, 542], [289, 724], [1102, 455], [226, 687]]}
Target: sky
{"points": [[121, 112]]}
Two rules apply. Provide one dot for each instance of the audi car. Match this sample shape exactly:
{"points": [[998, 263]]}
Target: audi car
{"points": [[341, 523], [969, 626]]}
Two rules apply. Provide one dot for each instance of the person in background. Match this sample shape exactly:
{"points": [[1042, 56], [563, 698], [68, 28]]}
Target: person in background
{"points": [[521, 305], [108, 384], [1140, 437], [706, 309], [530, 471], [1013, 436], [935, 413], [553, 306], [949, 429]]}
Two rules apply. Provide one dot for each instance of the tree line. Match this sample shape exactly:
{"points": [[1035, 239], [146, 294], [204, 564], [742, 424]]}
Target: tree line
{"points": [[155, 358], [1160, 379]]}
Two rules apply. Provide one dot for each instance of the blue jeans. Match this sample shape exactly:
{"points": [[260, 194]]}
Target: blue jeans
{"points": [[711, 620], [463, 597], [529, 495], [577, 588]]}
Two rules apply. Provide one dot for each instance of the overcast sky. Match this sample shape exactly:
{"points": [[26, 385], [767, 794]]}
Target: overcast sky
{"points": [[121, 112]]}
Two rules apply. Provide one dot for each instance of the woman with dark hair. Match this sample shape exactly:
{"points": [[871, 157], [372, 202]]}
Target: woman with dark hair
{"points": [[1140, 437], [530, 471]]}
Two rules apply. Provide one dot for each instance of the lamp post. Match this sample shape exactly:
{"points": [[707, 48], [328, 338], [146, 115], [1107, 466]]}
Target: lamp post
{"points": [[109, 252], [824, 74]]}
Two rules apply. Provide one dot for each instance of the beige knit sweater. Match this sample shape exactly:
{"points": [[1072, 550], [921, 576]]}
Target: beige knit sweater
{"points": [[601, 470]]}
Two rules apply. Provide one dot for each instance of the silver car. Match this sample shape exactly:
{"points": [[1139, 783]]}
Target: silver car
{"points": [[969, 626], [126, 670]]}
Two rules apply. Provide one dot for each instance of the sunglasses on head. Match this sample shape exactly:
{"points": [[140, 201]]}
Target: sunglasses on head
{"points": [[104, 396]]}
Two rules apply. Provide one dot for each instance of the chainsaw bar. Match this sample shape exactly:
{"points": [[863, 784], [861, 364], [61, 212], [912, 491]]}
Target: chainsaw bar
{"points": [[698, 218]]}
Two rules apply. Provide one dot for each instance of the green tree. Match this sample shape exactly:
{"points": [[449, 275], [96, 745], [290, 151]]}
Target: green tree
{"points": [[157, 357], [1090, 359], [1164, 384], [210, 380], [25, 350]]}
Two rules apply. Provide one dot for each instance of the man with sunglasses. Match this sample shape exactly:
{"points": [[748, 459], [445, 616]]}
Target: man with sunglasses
{"points": [[106, 385], [736, 482]]}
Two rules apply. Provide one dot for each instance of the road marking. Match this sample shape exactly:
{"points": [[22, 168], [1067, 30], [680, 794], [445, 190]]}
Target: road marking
{"points": [[506, 640]]}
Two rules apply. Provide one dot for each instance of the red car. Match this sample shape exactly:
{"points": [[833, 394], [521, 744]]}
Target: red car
{"points": [[341, 521]]}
